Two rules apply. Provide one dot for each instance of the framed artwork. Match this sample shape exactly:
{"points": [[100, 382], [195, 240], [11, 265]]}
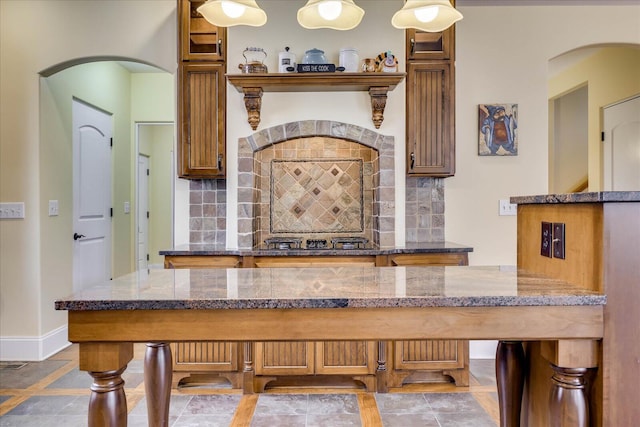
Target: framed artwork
{"points": [[498, 130]]}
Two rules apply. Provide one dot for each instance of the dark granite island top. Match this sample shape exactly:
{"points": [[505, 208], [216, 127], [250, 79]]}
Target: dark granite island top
{"points": [[332, 303], [592, 197], [340, 287], [409, 248]]}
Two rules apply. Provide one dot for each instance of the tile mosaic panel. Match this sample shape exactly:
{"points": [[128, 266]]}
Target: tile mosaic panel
{"points": [[317, 196]]}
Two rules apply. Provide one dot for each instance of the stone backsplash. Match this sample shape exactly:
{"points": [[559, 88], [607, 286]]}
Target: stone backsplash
{"points": [[347, 152]]}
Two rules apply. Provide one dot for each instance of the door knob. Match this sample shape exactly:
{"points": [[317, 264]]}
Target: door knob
{"points": [[77, 236]]}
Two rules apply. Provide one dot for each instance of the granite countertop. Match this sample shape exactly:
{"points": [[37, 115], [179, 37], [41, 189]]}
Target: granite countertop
{"points": [[593, 197], [340, 287], [409, 248]]}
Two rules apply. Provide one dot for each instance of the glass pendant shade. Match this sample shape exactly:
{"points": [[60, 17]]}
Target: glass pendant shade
{"points": [[333, 14], [227, 13], [426, 15]]}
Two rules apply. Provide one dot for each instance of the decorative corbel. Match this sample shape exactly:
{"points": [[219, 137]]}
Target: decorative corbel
{"points": [[378, 102], [253, 104]]}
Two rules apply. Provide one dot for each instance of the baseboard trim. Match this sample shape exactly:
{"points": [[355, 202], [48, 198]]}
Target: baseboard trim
{"points": [[34, 349]]}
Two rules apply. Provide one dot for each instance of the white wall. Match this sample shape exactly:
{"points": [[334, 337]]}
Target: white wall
{"points": [[609, 74], [36, 35], [502, 56]]}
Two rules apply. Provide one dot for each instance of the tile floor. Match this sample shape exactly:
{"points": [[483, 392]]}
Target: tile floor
{"points": [[55, 393]]}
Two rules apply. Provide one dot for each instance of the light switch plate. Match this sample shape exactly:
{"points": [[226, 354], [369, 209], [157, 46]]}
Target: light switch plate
{"points": [[559, 240], [54, 208], [545, 239], [12, 210], [507, 208]]}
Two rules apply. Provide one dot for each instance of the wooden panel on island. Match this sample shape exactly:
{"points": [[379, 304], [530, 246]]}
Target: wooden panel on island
{"points": [[601, 253], [204, 359]]}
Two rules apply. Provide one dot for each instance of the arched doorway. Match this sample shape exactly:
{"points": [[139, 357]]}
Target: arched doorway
{"points": [[135, 94], [582, 82]]}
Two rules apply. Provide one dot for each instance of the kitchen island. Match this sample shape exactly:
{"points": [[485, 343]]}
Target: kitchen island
{"points": [[338, 303], [305, 363]]}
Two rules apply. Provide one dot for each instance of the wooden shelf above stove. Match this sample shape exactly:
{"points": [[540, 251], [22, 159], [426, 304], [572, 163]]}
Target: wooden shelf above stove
{"points": [[253, 85]]}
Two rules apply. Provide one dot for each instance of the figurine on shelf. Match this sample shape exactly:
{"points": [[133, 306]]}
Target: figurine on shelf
{"points": [[386, 62]]}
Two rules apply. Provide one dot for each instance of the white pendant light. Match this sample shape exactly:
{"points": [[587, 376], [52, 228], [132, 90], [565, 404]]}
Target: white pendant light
{"points": [[333, 14], [426, 15], [227, 13]]}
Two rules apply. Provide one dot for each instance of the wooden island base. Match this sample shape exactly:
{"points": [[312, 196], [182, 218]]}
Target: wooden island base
{"points": [[570, 334]]}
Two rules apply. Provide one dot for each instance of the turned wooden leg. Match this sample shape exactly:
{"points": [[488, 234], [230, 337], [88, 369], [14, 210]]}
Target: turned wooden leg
{"points": [[106, 362], [108, 403], [157, 382], [510, 381], [568, 404]]}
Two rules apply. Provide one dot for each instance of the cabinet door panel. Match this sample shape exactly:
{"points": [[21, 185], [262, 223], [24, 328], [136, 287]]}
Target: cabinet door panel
{"points": [[422, 45], [203, 99], [435, 259], [204, 356], [430, 122], [429, 355], [346, 357], [284, 358], [199, 40]]}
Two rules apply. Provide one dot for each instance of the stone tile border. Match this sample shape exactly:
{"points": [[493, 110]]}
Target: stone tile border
{"points": [[384, 205]]}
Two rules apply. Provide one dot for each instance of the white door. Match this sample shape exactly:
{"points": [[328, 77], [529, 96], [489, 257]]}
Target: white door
{"points": [[622, 146], [92, 131], [143, 212]]}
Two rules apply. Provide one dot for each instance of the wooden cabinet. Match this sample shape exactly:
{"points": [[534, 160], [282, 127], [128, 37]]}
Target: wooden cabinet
{"points": [[199, 40], [352, 359], [201, 152], [201, 95], [194, 360], [430, 259], [296, 362], [430, 102], [430, 119], [422, 45], [356, 359]]}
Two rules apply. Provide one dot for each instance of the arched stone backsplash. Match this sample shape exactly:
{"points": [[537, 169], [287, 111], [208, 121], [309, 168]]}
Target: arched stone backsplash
{"points": [[377, 171], [423, 197]]}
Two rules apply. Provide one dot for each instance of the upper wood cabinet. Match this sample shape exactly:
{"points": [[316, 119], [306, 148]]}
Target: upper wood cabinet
{"points": [[430, 119], [422, 45], [199, 40], [202, 95], [430, 102]]}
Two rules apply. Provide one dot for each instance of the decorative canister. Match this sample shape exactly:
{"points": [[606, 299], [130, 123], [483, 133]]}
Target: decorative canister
{"points": [[349, 59], [286, 61]]}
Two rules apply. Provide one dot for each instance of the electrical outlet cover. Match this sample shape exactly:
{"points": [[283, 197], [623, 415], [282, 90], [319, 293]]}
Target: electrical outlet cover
{"points": [[558, 240], [545, 239]]}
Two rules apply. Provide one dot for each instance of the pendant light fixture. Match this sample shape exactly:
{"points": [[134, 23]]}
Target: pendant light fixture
{"points": [[227, 13], [333, 14], [427, 15]]}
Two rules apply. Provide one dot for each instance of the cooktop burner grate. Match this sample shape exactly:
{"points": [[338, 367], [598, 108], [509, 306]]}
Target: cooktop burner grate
{"points": [[349, 242], [283, 242]]}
